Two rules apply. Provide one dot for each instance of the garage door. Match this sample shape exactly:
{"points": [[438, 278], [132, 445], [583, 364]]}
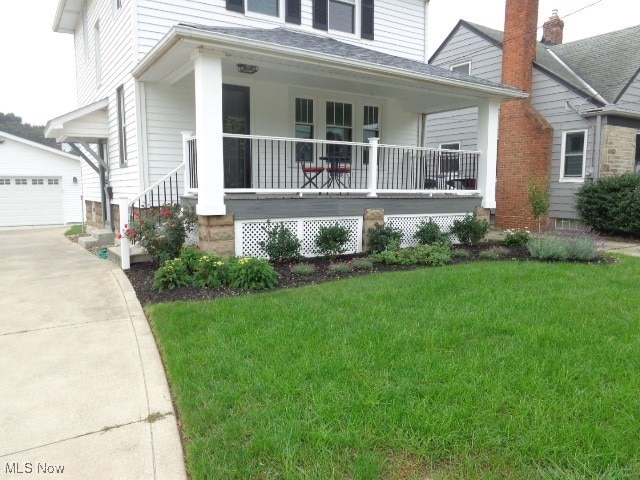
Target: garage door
{"points": [[30, 201]]}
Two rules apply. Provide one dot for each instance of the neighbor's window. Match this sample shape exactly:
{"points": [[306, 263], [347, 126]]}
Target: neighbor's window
{"points": [[118, 4], [52, 181], [449, 161], [267, 7], [574, 149], [304, 129], [37, 181], [462, 68], [21, 181], [122, 127], [5, 181], [342, 15]]}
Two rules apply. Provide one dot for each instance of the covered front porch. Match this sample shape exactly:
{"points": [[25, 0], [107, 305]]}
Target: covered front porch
{"points": [[282, 112]]}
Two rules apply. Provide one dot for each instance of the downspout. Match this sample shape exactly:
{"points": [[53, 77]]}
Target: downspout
{"points": [[426, 31], [106, 191], [598, 148]]}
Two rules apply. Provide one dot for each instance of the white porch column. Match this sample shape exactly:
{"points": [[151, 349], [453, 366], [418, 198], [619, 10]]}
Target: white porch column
{"points": [[208, 89], [372, 181], [488, 120]]}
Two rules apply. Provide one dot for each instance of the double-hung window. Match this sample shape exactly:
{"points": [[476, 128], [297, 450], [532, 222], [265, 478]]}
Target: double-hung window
{"points": [[342, 15], [304, 129], [574, 153], [339, 128], [266, 7], [449, 161], [122, 126]]}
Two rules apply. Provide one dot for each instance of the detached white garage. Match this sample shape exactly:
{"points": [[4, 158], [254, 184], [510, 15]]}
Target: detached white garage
{"points": [[38, 185]]}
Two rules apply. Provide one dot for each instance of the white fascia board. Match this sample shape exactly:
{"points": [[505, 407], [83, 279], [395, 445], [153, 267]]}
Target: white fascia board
{"points": [[222, 41], [66, 15], [55, 127], [24, 141]]}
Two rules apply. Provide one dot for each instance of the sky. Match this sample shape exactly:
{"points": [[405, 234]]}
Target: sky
{"points": [[37, 78]]}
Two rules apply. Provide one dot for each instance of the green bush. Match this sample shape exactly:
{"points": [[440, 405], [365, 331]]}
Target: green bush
{"points": [[252, 274], [611, 204], [212, 272], [161, 231], [331, 241], [582, 249], [516, 238], [190, 256], [303, 269], [470, 230], [460, 253], [362, 264], [429, 232], [495, 253], [281, 245], [430, 255], [172, 274], [548, 249], [340, 267], [383, 237]]}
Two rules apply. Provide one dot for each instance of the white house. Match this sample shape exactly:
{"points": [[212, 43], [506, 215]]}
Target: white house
{"points": [[39, 185], [305, 111]]}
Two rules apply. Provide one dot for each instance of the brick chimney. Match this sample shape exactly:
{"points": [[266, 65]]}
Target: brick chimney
{"points": [[552, 30], [525, 139]]}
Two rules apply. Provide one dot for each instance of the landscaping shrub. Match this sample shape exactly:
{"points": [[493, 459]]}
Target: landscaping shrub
{"points": [[172, 274], [383, 237], [212, 272], [430, 255], [303, 269], [190, 256], [331, 241], [340, 267], [470, 230], [611, 204], [494, 253], [362, 264], [580, 248], [460, 253], [281, 245], [252, 274], [161, 231], [547, 249], [429, 232], [516, 238]]}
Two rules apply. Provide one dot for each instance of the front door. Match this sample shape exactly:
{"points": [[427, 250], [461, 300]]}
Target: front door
{"points": [[237, 151]]}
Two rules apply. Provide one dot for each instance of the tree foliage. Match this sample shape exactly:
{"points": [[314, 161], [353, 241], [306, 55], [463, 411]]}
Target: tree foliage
{"points": [[13, 125]]}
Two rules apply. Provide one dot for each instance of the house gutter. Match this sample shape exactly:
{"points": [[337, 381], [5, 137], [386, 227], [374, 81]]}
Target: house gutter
{"points": [[589, 88], [215, 39]]}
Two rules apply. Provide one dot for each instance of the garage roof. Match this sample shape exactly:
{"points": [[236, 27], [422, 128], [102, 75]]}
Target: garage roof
{"points": [[8, 136]]}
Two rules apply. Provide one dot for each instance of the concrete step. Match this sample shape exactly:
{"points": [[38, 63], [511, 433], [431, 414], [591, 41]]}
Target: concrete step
{"points": [[87, 242], [138, 255], [103, 237]]}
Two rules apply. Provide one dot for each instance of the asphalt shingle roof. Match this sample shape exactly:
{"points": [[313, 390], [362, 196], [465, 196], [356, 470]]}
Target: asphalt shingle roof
{"points": [[329, 46], [607, 63]]}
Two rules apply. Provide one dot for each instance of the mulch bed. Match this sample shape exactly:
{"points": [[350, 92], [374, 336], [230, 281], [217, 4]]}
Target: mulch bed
{"points": [[141, 276]]}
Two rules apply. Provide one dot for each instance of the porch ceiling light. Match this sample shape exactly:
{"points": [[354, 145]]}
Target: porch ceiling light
{"points": [[250, 69]]}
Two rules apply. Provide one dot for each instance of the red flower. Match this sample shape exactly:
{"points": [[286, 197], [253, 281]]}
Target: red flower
{"points": [[118, 236], [166, 213], [136, 214]]}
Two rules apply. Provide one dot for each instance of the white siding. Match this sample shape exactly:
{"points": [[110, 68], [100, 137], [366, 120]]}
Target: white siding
{"points": [[399, 24], [117, 61], [19, 159]]}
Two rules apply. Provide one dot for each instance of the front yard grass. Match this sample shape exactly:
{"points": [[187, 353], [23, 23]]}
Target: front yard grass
{"points": [[486, 370]]}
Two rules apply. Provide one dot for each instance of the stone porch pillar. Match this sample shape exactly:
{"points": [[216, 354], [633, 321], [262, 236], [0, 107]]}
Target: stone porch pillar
{"points": [[488, 121], [208, 92]]}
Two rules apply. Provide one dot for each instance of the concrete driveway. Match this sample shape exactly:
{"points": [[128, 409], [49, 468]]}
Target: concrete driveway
{"points": [[82, 386]]}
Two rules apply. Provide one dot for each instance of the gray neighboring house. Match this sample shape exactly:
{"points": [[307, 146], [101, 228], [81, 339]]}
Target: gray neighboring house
{"points": [[587, 90]]}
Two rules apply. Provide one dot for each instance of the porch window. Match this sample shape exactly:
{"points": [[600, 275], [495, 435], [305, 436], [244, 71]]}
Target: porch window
{"points": [[574, 149], [304, 129], [339, 127], [342, 15], [266, 7], [371, 127], [122, 127]]}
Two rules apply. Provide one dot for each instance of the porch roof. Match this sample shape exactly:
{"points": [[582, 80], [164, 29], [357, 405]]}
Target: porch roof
{"points": [[87, 124], [169, 59]]}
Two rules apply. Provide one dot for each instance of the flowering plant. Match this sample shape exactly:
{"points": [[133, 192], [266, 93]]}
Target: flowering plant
{"points": [[161, 231]]}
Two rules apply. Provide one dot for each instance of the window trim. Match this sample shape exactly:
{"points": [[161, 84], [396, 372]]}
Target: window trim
{"points": [[459, 143], [572, 179], [251, 13], [467, 62], [122, 125]]}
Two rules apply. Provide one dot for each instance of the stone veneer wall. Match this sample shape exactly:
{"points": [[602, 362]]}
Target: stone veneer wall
{"points": [[93, 212], [618, 150], [217, 234]]}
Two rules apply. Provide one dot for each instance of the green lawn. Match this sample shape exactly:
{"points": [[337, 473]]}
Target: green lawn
{"points": [[74, 230], [479, 371]]}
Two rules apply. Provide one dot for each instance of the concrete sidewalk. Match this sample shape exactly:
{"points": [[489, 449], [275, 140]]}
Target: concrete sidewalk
{"points": [[81, 383]]}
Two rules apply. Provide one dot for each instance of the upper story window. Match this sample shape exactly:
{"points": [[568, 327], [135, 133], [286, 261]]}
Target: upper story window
{"points": [[98, 53], [85, 33], [574, 154], [462, 68], [267, 7], [342, 15], [122, 126]]}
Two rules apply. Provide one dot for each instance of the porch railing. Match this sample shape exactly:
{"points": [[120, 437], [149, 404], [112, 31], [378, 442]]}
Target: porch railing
{"points": [[255, 163]]}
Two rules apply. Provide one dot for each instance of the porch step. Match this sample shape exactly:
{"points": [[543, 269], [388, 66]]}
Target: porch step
{"points": [[98, 238], [138, 255]]}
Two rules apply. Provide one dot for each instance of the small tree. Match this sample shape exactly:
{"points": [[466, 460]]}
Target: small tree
{"points": [[539, 198]]}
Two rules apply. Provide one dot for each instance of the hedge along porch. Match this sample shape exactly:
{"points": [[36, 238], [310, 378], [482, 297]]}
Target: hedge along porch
{"points": [[302, 133]]}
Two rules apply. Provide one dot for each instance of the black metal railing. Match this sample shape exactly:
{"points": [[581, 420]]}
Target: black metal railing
{"points": [[407, 168], [163, 193], [191, 164]]}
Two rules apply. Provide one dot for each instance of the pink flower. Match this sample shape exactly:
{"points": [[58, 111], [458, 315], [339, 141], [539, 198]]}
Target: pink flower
{"points": [[166, 213], [118, 236], [136, 214]]}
